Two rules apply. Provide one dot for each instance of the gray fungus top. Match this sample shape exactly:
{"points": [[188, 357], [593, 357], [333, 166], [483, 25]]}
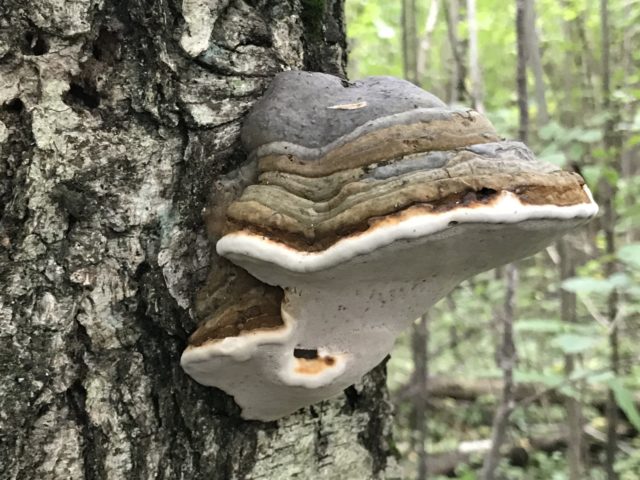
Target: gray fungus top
{"points": [[294, 107]]}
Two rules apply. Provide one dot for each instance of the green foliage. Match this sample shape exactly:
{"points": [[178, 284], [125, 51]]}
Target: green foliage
{"points": [[574, 343], [630, 255], [625, 400]]}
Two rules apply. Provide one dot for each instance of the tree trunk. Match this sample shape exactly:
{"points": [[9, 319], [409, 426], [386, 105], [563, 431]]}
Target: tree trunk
{"points": [[424, 47], [457, 90], [508, 358], [521, 70], [117, 118], [420, 353], [474, 59], [535, 60], [610, 218], [409, 41], [573, 406]]}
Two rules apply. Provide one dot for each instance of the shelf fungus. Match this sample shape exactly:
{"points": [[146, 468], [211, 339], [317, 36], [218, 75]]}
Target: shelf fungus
{"points": [[371, 200]]}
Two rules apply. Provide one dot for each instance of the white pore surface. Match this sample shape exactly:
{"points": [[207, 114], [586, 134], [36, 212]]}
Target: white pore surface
{"points": [[353, 299]]}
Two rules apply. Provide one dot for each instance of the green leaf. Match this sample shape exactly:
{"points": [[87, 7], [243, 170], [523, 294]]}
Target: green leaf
{"points": [[587, 285], [548, 379], [591, 174], [576, 151], [574, 343], [557, 158], [600, 377], [589, 136], [630, 254], [551, 130], [599, 153], [569, 391], [619, 280], [540, 325], [611, 175], [384, 30], [624, 399], [633, 141]]}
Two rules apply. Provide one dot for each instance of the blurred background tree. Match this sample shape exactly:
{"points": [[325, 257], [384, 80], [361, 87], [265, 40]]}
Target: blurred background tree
{"points": [[572, 68]]}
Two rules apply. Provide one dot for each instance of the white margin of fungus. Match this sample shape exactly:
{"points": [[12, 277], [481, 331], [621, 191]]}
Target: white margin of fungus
{"points": [[505, 208], [241, 347]]}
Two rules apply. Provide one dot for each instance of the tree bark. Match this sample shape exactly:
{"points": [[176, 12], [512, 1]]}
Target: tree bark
{"points": [[573, 405], [474, 58], [508, 355], [521, 70], [508, 360], [409, 41], [609, 193], [535, 61], [420, 351], [457, 91], [424, 47], [117, 119]]}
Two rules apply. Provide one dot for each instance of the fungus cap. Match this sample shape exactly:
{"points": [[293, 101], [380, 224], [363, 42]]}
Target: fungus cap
{"points": [[360, 224]]}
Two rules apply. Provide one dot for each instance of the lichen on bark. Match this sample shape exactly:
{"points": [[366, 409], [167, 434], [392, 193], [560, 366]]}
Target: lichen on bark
{"points": [[115, 120]]}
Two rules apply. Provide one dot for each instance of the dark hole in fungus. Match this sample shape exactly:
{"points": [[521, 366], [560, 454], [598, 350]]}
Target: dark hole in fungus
{"points": [[485, 193], [308, 354], [452, 223], [80, 95], [14, 105]]}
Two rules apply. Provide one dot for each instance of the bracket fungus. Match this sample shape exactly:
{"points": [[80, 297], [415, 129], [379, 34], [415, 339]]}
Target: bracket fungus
{"points": [[371, 201]]}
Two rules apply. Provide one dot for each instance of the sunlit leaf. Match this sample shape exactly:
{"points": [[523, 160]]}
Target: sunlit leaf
{"points": [[591, 174], [611, 175], [540, 325], [551, 130], [574, 343], [383, 29], [589, 136], [576, 151], [624, 399], [633, 140], [630, 254], [600, 377], [557, 158], [528, 376], [588, 285]]}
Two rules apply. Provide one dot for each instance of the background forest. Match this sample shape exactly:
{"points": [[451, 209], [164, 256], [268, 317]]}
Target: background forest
{"points": [[541, 356]]}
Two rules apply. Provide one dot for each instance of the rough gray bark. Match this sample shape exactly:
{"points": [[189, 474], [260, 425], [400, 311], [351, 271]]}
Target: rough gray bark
{"points": [[458, 73], [610, 217], [475, 74], [535, 62], [507, 363], [409, 41], [115, 119], [521, 70], [424, 46], [420, 350], [573, 406]]}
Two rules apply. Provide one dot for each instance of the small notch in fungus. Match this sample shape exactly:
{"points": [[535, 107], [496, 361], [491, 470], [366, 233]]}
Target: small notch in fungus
{"points": [[485, 193], [308, 354]]}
